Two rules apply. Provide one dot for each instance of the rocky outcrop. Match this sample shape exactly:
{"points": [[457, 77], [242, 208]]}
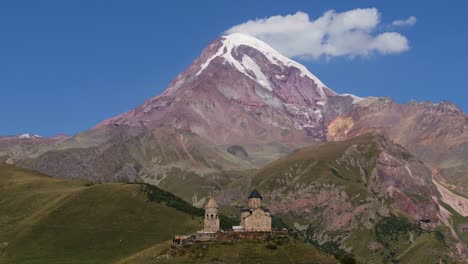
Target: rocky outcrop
{"points": [[340, 187], [437, 134]]}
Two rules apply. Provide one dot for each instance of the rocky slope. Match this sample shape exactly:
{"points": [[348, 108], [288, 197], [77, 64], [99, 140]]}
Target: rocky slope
{"points": [[163, 156], [352, 183], [241, 90], [240, 105], [436, 133], [343, 191]]}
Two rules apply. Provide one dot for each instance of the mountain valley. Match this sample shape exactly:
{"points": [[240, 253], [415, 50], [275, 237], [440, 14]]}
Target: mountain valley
{"points": [[385, 182]]}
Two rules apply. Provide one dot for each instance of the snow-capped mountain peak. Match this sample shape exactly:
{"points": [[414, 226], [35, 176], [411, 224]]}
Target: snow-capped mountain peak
{"points": [[241, 89], [30, 136], [233, 41]]}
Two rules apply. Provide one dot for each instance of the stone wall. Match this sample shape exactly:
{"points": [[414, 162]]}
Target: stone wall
{"points": [[259, 220], [233, 235]]}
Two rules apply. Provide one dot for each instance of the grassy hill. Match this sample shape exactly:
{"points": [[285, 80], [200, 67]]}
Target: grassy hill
{"points": [[46, 220], [395, 239], [233, 252]]}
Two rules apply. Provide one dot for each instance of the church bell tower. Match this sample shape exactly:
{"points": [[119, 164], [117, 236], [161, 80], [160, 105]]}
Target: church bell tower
{"points": [[211, 216]]}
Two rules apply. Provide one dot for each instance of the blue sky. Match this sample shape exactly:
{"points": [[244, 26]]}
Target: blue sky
{"points": [[67, 65]]}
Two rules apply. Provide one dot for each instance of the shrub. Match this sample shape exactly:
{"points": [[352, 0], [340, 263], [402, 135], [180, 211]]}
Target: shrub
{"points": [[227, 222], [157, 195], [272, 246], [278, 223], [90, 183], [281, 241], [392, 227], [345, 258], [439, 236]]}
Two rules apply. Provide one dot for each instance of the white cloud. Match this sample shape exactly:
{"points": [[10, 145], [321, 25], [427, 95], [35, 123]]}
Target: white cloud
{"points": [[405, 23], [349, 34]]}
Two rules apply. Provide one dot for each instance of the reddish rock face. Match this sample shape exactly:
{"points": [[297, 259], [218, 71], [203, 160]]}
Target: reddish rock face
{"points": [[345, 185], [436, 133], [241, 90]]}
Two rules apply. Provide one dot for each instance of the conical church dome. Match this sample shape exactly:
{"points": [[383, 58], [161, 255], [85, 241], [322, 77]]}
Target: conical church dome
{"points": [[211, 203], [255, 194]]}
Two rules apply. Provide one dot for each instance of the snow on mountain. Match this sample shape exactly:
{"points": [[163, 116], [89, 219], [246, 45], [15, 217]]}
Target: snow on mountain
{"points": [[231, 42], [28, 136], [241, 89], [249, 67]]}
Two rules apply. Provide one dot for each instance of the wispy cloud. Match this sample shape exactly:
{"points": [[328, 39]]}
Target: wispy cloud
{"points": [[405, 22], [349, 34]]}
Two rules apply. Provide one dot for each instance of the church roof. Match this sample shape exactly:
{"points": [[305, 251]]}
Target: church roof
{"points": [[211, 203], [255, 194]]}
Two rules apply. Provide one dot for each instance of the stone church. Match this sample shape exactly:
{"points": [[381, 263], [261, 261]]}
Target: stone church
{"points": [[255, 217]]}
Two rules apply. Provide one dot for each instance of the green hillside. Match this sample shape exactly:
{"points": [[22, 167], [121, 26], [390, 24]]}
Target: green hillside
{"points": [[396, 240], [46, 220], [253, 252]]}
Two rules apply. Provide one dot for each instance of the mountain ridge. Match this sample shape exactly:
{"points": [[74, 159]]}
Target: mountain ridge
{"points": [[284, 95]]}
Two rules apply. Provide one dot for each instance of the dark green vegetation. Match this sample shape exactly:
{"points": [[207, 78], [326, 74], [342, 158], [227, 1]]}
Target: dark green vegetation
{"points": [[330, 247], [278, 223], [45, 220], [393, 231], [396, 240], [248, 252], [390, 228], [155, 194]]}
